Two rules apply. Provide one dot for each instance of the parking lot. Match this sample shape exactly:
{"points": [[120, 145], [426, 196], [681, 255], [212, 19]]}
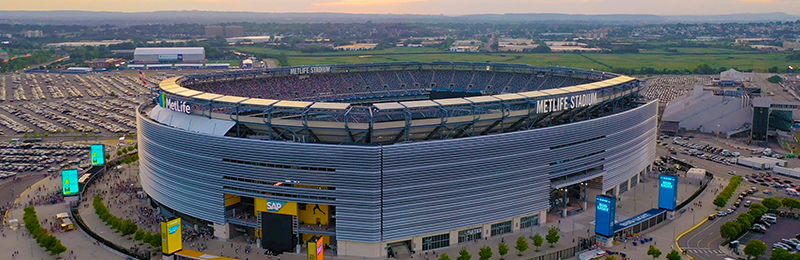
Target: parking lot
{"points": [[41, 105], [785, 228]]}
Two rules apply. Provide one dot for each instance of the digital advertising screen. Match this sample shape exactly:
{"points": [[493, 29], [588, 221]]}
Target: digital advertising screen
{"points": [[605, 212], [668, 192], [171, 240], [69, 182], [98, 154]]}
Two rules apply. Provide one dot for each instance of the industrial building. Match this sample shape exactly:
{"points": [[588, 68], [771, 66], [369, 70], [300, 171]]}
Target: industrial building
{"points": [[169, 55], [728, 113]]}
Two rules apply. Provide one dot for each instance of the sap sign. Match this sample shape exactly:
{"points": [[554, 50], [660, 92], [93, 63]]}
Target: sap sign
{"points": [[668, 192], [605, 213], [274, 205], [174, 105]]}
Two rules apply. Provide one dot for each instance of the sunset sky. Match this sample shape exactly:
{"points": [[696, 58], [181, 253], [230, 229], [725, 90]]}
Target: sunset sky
{"points": [[447, 7]]}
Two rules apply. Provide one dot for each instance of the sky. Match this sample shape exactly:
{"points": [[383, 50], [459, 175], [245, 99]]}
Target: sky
{"points": [[446, 7]]}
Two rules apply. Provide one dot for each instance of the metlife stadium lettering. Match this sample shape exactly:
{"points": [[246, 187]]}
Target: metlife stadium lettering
{"points": [[564, 103], [175, 105], [310, 70]]}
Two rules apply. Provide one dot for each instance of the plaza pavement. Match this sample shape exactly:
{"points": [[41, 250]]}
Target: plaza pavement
{"points": [[82, 246], [632, 202]]}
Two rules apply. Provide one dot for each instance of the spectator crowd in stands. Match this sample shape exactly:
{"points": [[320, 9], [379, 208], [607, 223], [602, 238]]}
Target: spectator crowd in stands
{"points": [[352, 85]]}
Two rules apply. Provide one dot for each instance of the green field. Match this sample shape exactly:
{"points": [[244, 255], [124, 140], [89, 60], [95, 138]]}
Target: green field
{"points": [[685, 58]]}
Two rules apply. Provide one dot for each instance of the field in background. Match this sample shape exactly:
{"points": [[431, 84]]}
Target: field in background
{"points": [[684, 58]]}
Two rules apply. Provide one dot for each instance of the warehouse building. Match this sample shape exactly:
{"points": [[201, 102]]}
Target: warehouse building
{"points": [[169, 55]]}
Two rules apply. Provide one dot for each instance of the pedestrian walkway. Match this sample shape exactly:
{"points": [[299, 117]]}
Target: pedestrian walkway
{"points": [[45, 196], [692, 250]]}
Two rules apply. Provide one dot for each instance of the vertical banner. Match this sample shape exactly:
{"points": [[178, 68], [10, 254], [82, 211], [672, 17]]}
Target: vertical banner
{"points": [[171, 240], [605, 213], [69, 183], [668, 192], [98, 154]]}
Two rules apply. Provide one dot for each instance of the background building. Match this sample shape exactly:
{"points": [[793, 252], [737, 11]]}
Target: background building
{"points": [[169, 55], [214, 31], [234, 31], [33, 34]]}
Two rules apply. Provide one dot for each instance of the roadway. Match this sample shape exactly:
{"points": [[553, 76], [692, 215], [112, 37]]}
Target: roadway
{"points": [[703, 243]]}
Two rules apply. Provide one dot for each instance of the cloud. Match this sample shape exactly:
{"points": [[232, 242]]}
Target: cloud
{"points": [[360, 3]]}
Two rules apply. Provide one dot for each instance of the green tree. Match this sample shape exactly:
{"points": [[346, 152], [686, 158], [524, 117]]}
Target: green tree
{"points": [[58, 248], [502, 250], [537, 241], [746, 219], [485, 253], [552, 236], [610, 258], [757, 210], [790, 203], [674, 255], [730, 230], [720, 202], [444, 257], [771, 203], [128, 227], [654, 252], [755, 249], [522, 245], [464, 255], [138, 235], [780, 254]]}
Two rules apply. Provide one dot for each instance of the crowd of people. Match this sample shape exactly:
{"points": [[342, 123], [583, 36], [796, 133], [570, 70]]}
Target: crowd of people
{"points": [[337, 86]]}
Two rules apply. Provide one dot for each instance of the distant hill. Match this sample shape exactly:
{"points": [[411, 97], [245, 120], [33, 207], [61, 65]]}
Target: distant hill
{"points": [[120, 18]]}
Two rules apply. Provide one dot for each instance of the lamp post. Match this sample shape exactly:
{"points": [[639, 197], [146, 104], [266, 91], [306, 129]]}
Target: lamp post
{"points": [[717, 133]]}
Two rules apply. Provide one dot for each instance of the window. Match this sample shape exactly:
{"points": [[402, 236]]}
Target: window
{"points": [[529, 221], [623, 187], [470, 235], [434, 242], [635, 180], [501, 228]]}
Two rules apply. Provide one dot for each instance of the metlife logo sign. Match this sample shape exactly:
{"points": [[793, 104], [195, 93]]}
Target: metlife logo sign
{"points": [[174, 105], [274, 205]]}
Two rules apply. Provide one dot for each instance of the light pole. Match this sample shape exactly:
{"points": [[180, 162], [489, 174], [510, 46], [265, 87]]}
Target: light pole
{"points": [[717, 133]]}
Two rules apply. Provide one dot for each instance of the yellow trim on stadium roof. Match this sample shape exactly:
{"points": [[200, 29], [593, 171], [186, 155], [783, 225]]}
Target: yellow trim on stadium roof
{"points": [[171, 86]]}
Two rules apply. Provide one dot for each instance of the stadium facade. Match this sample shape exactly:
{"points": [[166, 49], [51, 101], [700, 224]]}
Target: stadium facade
{"points": [[169, 54], [401, 167]]}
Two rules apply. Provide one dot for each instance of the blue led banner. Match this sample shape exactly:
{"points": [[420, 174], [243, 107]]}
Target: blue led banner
{"points": [[98, 154], [605, 212], [69, 182], [668, 192]]}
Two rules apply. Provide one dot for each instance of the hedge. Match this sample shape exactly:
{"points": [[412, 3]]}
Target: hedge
{"points": [[124, 226], [48, 241], [725, 195]]}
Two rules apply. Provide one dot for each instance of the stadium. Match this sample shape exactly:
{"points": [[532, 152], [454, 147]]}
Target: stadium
{"points": [[388, 159]]}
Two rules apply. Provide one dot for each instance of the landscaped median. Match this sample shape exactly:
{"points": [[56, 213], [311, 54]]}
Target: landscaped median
{"points": [[48, 241], [125, 227], [725, 195]]}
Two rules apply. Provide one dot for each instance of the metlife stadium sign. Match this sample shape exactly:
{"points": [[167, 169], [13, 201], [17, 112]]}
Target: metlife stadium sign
{"points": [[605, 213], [174, 105], [564, 103], [668, 192]]}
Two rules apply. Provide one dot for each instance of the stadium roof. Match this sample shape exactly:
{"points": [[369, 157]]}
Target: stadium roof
{"points": [[169, 50]]}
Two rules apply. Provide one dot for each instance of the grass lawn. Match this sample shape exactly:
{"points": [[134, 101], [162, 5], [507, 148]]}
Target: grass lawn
{"points": [[685, 58]]}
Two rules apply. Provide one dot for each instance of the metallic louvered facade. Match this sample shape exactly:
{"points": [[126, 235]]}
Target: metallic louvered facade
{"points": [[394, 192]]}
